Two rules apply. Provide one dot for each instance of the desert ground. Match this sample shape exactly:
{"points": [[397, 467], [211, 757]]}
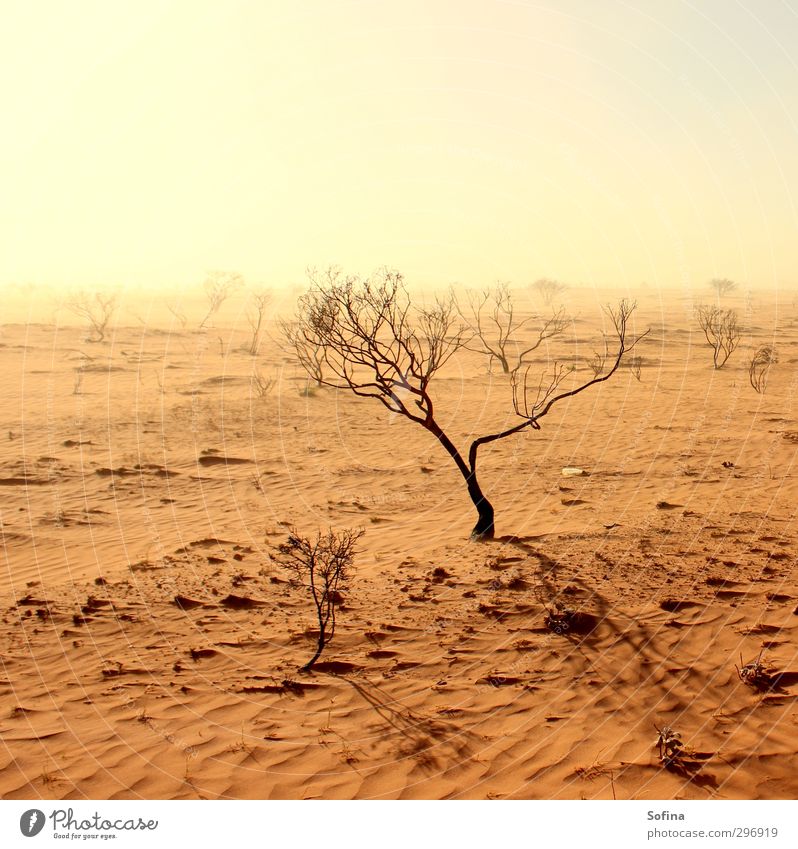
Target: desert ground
{"points": [[150, 644]]}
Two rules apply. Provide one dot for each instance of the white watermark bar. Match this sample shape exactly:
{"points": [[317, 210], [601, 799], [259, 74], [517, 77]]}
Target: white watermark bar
{"points": [[409, 824]]}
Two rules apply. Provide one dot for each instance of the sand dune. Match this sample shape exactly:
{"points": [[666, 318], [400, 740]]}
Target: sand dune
{"points": [[150, 645]]}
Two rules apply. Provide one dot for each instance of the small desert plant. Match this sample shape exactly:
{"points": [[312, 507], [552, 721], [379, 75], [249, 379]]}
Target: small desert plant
{"points": [[669, 745], [755, 673], [560, 621], [596, 363], [322, 565], [548, 289], [635, 366], [96, 309], [722, 286], [722, 331], [256, 315], [219, 286], [759, 367], [261, 384]]}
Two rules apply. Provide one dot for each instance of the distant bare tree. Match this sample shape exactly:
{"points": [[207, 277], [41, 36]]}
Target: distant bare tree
{"points": [[377, 345], [722, 332], [759, 367], [256, 315], [308, 351], [96, 309], [322, 565], [219, 286], [178, 312], [722, 286], [548, 289], [491, 316]]}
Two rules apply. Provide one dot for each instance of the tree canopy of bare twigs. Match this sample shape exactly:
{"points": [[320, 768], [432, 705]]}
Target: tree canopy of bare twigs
{"points": [[722, 286], [495, 325], [377, 344], [548, 289], [722, 331], [759, 367], [219, 286], [96, 309], [322, 565], [309, 352], [257, 308]]}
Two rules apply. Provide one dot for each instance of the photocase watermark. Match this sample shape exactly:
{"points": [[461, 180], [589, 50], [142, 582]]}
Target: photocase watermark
{"points": [[32, 822], [64, 824]]}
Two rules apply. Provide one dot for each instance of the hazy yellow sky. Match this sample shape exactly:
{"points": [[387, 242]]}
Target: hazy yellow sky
{"points": [[590, 140]]}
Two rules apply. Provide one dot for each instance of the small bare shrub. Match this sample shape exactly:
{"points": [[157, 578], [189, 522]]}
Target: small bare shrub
{"points": [[178, 313], [219, 286], [722, 331], [322, 565], [759, 367], [96, 309], [256, 315], [261, 384]]}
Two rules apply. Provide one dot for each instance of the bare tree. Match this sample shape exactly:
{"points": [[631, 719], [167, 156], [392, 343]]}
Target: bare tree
{"points": [[96, 309], [548, 289], [759, 367], [491, 315], [722, 286], [722, 332], [377, 345], [219, 286], [322, 565], [256, 315], [308, 351], [178, 312]]}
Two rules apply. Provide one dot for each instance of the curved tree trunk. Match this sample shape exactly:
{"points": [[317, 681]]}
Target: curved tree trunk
{"points": [[319, 649], [484, 528]]}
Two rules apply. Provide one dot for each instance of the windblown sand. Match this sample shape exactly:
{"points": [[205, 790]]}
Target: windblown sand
{"points": [[147, 468]]}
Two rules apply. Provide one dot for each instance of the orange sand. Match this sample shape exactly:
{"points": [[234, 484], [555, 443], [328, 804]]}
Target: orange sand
{"points": [[443, 680]]}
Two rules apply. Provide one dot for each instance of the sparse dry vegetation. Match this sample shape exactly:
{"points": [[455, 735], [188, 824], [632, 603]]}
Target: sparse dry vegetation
{"points": [[219, 286], [759, 368], [722, 331], [495, 325], [96, 310], [377, 344], [322, 565]]}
